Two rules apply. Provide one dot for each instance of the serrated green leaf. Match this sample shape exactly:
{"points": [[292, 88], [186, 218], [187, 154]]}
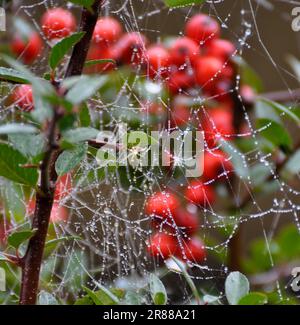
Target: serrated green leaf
{"points": [[182, 3], [254, 298], [236, 287], [157, 290], [62, 48], [10, 166], [18, 238]]}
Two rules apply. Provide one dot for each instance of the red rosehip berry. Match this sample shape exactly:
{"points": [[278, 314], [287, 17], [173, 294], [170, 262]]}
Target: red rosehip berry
{"points": [[200, 194], [202, 28], [22, 97], [161, 204], [218, 124], [59, 214], [158, 59], [180, 81], [63, 187], [58, 23], [222, 91], [107, 31], [216, 162], [162, 245], [184, 51], [98, 53], [208, 70], [27, 48], [180, 116], [194, 250], [186, 221], [220, 48], [248, 94], [131, 49]]}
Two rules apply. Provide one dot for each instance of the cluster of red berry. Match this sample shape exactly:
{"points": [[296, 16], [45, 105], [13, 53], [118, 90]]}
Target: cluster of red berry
{"points": [[176, 229], [198, 60]]}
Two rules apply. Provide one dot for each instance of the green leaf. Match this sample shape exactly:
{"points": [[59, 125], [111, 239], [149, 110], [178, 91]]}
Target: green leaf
{"points": [[102, 296], [62, 48], [80, 135], [13, 199], [157, 290], [46, 298], [12, 75], [30, 145], [182, 3], [282, 109], [270, 125], [85, 3], [289, 243], [187, 277], [10, 166], [84, 301], [18, 238], [69, 159], [100, 61], [13, 128], [85, 88], [254, 298], [236, 287], [275, 133], [133, 298], [84, 116]]}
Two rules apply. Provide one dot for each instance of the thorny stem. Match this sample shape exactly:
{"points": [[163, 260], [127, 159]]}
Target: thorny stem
{"points": [[32, 260]]}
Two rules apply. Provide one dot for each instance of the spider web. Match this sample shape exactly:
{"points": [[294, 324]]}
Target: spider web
{"points": [[109, 216]]}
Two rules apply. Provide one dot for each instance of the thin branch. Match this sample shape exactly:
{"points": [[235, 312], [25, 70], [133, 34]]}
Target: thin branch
{"points": [[32, 260]]}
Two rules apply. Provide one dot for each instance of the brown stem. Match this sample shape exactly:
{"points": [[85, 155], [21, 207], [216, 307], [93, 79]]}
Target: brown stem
{"points": [[32, 260]]}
